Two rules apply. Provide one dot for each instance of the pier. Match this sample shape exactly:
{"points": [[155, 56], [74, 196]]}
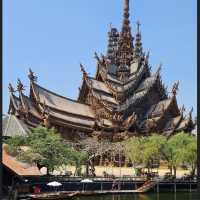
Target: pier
{"points": [[101, 186]]}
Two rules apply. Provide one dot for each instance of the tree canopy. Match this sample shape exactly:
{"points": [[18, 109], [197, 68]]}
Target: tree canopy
{"points": [[46, 148], [177, 150]]}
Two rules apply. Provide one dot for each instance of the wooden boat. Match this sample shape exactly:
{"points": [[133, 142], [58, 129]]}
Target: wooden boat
{"points": [[53, 195]]}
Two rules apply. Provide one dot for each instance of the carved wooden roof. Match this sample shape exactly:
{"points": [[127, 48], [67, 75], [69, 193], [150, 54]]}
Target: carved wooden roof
{"points": [[12, 126], [61, 103], [124, 93]]}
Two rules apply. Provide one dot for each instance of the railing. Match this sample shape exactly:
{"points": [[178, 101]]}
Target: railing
{"points": [[124, 178]]}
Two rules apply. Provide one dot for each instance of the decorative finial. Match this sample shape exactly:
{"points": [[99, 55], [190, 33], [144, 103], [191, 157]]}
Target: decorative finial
{"points": [[97, 57], [83, 70], [126, 13], [31, 76], [175, 88], [159, 68], [20, 86], [138, 26], [138, 43], [110, 25], [182, 109], [125, 42], [190, 113], [103, 58], [148, 55], [126, 4], [11, 89]]}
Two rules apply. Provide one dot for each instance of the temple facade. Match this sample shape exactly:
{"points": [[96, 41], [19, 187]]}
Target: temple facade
{"points": [[123, 99]]}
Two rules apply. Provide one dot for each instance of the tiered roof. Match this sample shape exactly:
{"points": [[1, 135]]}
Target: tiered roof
{"points": [[123, 96]]}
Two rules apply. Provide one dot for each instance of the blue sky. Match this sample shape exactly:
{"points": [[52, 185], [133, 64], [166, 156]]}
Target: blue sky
{"points": [[54, 36]]}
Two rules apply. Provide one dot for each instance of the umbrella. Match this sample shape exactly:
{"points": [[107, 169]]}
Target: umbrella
{"points": [[54, 184], [140, 166], [86, 181]]}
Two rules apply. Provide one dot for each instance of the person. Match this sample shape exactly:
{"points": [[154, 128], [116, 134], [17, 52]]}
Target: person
{"points": [[114, 184], [36, 190]]}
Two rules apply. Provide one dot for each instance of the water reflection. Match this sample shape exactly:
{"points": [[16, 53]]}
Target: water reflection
{"points": [[149, 196], [145, 197]]}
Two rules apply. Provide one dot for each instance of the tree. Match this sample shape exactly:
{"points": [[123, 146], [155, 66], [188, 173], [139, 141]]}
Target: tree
{"points": [[49, 144], [174, 148], [134, 150], [152, 149], [78, 159], [143, 150], [189, 153], [46, 148], [13, 144]]}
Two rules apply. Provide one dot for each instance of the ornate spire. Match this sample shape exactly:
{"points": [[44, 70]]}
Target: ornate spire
{"points": [[126, 22], [31, 76], [190, 113], [125, 44], [175, 88], [159, 69], [83, 71], [182, 110], [113, 37], [20, 86], [138, 43], [11, 89], [97, 57]]}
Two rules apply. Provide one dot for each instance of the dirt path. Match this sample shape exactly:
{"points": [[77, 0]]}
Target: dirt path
{"points": [[124, 171]]}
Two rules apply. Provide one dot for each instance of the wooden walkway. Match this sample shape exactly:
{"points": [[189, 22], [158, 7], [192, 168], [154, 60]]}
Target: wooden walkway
{"points": [[146, 186], [58, 195]]}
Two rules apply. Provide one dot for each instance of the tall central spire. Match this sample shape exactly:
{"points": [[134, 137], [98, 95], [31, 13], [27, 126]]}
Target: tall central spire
{"points": [[126, 21], [125, 43]]}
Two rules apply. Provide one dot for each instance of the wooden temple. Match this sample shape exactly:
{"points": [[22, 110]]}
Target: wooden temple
{"points": [[124, 98]]}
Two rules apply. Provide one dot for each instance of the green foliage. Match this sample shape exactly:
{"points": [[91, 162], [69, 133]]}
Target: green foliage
{"points": [[46, 147], [16, 141], [178, 149], [13, 144], [29, 156], [49, 144], [78, 159], [152, 148], [142, 150], [134, 150], [189, 153], [12, 150]]}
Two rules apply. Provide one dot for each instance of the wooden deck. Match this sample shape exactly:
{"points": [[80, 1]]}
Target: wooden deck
{"points": [[59, 195], [62, 195]]}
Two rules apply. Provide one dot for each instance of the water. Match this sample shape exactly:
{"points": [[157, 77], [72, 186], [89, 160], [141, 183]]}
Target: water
{"points": [[150, 196]]}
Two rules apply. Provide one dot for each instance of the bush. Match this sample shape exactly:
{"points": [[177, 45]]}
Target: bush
{"points": [[16, 141], [12, 150]]}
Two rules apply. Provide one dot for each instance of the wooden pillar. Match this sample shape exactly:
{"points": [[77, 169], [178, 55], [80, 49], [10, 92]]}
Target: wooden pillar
{"points": [[175, 187], [157, 187], [198, 150], [198, 120], [174, 195]]}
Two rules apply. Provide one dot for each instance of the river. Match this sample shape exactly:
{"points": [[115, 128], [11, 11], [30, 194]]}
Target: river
{"points": [[149, 196]]}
